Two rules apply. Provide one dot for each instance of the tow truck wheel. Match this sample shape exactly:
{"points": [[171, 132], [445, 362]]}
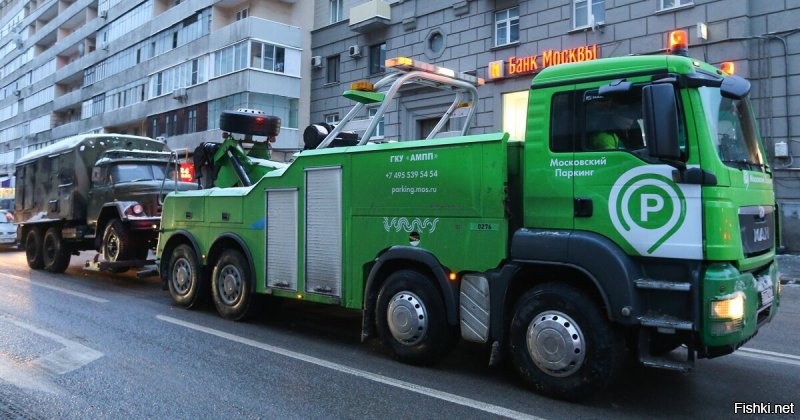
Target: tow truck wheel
{"points": [[55, 253], [230, 285], [34, 248], [562, 344], [411, 318], [186, 284]]}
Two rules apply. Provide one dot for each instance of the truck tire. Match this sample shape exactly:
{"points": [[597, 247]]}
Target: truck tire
{"points": [[56, 253], [118, 245], [230, 285], [249, 122], [411, 318], [562, 344], [34, 248], [187, 286]]}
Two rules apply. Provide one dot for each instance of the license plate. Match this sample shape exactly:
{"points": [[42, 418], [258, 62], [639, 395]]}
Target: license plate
{"points": [[766, 297], [764, 286]]}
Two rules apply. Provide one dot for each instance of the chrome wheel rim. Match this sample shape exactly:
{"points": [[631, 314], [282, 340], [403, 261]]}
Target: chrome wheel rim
{"points": [[556, 343], [230, 285], [182, 276], [407, 318]]}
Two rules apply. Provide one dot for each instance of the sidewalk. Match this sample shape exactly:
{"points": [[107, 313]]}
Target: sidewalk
{"points": [[789, 266]]}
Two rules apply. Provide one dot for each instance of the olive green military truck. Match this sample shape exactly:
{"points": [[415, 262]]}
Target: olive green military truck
{"points": [[92, 191]]}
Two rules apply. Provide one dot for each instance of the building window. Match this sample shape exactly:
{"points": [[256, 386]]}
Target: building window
{"points": [[332, 119], [669, 4], [377, 58], [506, 26], [336, 10], [242, 14], [332, 69], [172, 124], [586, 16], [378, 133], [191, 121], [267, 57]]}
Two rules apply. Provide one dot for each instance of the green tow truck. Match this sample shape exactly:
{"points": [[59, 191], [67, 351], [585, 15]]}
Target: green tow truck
{"points": [[564, 256]]}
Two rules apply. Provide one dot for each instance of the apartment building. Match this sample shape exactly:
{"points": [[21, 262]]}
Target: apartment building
{"points": [[507, 42], [160, 68]]}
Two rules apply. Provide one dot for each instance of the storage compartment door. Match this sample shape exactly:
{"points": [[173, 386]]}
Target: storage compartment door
{"points": [[323, 274]]}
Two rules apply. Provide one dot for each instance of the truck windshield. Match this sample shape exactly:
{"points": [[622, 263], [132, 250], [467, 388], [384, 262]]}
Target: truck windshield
{"points": [[134, 172], [733, 129]]}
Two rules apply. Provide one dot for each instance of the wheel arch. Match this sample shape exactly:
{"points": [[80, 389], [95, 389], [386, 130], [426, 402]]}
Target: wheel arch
{"points": [[406, 257], [588, 261], [227, 241]]}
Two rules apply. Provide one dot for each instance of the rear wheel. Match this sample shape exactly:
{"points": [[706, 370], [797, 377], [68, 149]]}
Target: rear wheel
{"points": [[56, 254], [186, 283], [562, 344], [230, 286], [411, 318], [34, 248]]}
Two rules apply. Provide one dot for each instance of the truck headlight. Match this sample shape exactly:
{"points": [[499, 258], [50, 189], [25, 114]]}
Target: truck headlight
{"points": [[731, 308]]}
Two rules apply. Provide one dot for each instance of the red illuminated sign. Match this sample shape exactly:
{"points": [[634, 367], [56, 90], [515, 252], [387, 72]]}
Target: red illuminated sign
{"points": [[186, 172], [516, 66]]}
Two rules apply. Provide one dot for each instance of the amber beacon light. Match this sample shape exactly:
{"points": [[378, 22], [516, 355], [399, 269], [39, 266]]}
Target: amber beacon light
{"points": [[679, 42], [727, 67]]}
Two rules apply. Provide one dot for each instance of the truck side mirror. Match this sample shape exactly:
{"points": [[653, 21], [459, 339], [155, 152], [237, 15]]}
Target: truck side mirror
{"points": [[660, 111]]}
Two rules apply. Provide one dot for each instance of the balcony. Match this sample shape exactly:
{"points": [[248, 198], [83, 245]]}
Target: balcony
{"points": [[370, 16]]}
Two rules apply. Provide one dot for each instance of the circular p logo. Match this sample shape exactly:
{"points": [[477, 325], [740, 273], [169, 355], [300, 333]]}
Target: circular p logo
{"points": [[646, 209]]}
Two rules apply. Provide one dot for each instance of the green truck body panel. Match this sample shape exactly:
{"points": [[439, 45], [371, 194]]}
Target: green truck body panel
{"points": [[449, 191]]}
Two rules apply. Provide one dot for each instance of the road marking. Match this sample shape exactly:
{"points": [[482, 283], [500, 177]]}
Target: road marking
{"points": [[408, 386], [73, 356], [771, 356], [56, 288]]}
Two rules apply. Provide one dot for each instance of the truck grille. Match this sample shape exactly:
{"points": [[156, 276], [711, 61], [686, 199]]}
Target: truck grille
{"points": [[757, 225]]}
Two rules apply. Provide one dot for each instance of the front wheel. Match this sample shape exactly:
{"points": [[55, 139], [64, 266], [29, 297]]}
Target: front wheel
{"points": [[187, 286], [34, 248], [411, 318], [230, 285], [56, 254], [562, 344]]}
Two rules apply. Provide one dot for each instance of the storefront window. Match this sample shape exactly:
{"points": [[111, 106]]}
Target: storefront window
{"points": [[515, 111]]}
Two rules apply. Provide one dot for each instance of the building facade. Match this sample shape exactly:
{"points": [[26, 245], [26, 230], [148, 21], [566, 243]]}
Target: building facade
{"points": [[508, 41], [159, 68]]}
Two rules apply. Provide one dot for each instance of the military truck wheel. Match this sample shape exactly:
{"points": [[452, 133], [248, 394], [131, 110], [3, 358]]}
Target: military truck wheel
{"points": [[249, 122], [34, 248], [186, 283], [562, 344], [117, 244], [411, 318], [230, 286], [56, 253]]}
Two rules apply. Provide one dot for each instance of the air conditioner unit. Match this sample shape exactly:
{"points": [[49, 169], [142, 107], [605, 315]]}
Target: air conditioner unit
{"points": [[104, 46], [17, 92], [316, 61], [180, 94], [354, 51], [103, 14]]}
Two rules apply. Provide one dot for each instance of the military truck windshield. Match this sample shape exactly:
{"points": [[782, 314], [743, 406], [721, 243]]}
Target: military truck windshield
{"points": [[732, 127], [135, 172]]}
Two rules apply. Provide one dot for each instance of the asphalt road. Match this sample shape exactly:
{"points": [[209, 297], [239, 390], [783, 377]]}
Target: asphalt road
{"points": [[91, 345]]}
